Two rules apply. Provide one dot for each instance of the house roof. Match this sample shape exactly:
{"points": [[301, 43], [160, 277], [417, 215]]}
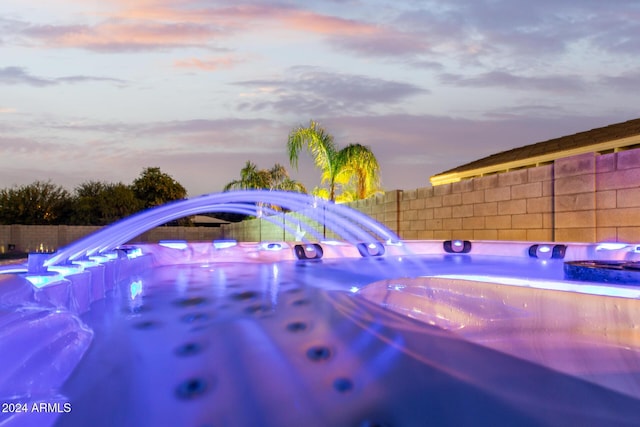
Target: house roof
{"points": [[600, 139]]}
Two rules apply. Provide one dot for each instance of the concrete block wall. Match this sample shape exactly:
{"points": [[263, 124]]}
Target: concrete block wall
{"points": [[617, 197], [49, 238], [516, 205], [575, 198]]}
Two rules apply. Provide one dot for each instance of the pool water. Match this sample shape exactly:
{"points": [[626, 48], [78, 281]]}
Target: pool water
{"points": [[386, 341]]}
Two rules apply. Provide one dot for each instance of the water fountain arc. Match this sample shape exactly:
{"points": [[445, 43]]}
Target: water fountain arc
{"points": [[350, 224]]}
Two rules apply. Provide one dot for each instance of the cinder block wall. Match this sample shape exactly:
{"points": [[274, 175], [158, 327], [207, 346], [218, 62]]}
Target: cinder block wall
{"points": [[48, 238], [516, 205], [617, 197]]}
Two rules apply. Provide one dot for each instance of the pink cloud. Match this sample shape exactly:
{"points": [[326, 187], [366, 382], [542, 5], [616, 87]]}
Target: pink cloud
{"points": [[154, 25], [115, 35], [328, 25], [211, 64]]}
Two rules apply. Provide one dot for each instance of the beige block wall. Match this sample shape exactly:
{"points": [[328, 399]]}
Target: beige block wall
{"points": [[507, 206], [49, 238], [617, 183]]}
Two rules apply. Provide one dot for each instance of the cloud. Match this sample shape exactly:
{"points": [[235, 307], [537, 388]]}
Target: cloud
{"points": [[313, 90], [18, 75], [502, 79], [627, 82], [117, 35], [163, 26], [210, 64]]}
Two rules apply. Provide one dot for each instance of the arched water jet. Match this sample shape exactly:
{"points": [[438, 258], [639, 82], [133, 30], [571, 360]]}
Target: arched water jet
{"points": [[345, 222]]}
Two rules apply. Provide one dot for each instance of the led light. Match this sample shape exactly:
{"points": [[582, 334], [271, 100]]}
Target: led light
{"points": [[65, 270], [223, 244], [611, 246], [135, 289], [134, 253], [83, 263], [174, 244], [40, 281], [331, 242], [271, 246], [544, 252]]}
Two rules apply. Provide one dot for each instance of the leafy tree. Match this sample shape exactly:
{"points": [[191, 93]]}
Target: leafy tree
{"points": [[250, 179], [39, 203], [101, 203], [154, 187], [361, 170], [279, 179], [354, 165], [276, 178]]}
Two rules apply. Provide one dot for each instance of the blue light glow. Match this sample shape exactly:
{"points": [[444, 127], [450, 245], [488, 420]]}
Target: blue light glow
{"points": [[554, 285], [134, 253], [65, 270], [41, 281], [85, 263], [135, 289], [332, 242], [223, 244], [174, 244], [611, 246]]}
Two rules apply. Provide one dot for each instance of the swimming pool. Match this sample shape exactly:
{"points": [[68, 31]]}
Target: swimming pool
{"points": [[326, 333]]}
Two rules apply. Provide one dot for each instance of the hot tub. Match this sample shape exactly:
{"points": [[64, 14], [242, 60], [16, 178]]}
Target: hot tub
{"points": [[317, 333]]}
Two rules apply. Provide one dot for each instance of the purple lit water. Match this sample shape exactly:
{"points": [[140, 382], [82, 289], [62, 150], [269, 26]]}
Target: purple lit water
{"points": [[290, 343]]}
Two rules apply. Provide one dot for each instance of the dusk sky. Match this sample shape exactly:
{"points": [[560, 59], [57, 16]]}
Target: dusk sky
{"points": [[99, 90]]}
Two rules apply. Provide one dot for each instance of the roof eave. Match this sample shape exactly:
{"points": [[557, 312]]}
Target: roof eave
{"points": [[455, 176]]}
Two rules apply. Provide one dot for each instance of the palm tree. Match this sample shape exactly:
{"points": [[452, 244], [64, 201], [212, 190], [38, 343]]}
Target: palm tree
{"points": [[250, 179], [276, 178], [321, 147], [354, 165], [361, 165]]}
